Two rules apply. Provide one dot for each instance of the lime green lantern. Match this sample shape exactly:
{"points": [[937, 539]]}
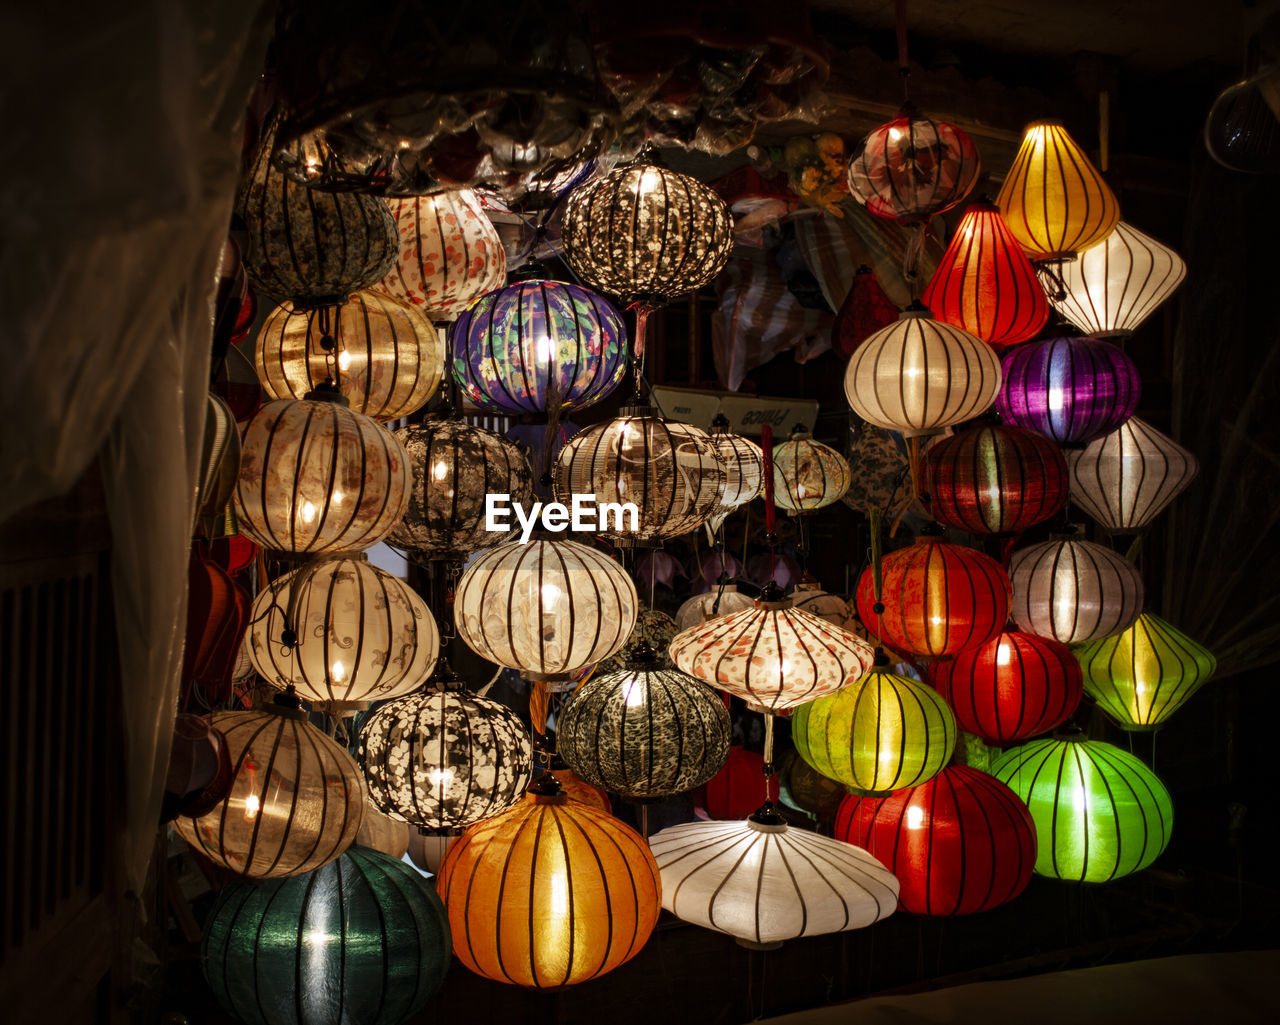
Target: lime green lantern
{"points": [[1142, 676], [1099, 812], [878, 734]]}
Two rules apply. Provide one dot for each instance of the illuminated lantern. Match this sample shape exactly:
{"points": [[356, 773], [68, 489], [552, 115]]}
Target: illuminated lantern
{"points": [[883, 732], [317, 478], [449, 254], [1142, 676], [1015, 686], [385, 356], [985, 283], [1116, 284], [937, 598], [362, 939], [807, 474], [919, 375], [720, 601], [546, 608], [1125, 479], [744, 469], [538, 347], [771, 655], [550, 893], [453, 468], [913, 167], [738, 788], [382, 833], [959, 844], [994, 479], [296, 797], [584, 793], [643, 234], [644, 732], [1053, 199], [427, 847], [1071, 390], [764, 883], [1073, 590], [1099, 812], [356, 633], [653, 630]]}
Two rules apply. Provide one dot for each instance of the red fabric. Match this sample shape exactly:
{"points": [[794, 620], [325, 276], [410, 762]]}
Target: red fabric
{"points": [[234, 554], [739, 789], [961, 843], [865, 310], [217, 616]]}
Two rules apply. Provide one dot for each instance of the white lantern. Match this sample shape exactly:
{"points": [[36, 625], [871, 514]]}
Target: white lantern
{"points": [[744, 469], [719, 601]]}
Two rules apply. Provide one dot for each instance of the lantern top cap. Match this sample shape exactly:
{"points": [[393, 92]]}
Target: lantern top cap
{"points": [[1071, 733], [881, 660], [546, 789], [720, 422], [766, 819], [326, 391], [771, 597], [930, 533], [916, 311], [1044, 122], [286, 705], [642, 656]]}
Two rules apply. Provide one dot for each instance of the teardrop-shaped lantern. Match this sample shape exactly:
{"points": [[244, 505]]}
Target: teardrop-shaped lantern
{"points": [[1053, 198], [807, 474]]}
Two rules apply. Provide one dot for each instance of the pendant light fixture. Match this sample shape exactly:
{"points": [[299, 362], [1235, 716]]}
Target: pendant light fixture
{"points": [[743, 465], [807, 474], [723, 600]]}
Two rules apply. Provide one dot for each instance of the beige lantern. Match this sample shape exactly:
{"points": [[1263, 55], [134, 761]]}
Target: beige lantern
{"points": [[381, 832], [719, 601], [744, 469], [807, 474]]}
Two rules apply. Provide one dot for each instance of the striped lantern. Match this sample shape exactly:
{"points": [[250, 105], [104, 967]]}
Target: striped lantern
{"points": [[385, 356], [959, 844], [1071, 390], [317, 478], [719, 601], [936, 598], [1015, 686], [919, 375], [985, 284], [1053, 199], [1099, 812], [1142, 676], [993, 479], [1125, 479], [808, 596], [449, 253], [296, 799], [1073, 590], [807, 474], [743, 465]]}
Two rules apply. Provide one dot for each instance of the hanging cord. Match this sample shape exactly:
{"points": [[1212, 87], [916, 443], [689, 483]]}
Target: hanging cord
{"points": [[770, 511], [769, 771]]}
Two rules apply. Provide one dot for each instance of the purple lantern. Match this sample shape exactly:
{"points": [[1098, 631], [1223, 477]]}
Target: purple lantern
{"points": [[1069, 389], [538, 347]]}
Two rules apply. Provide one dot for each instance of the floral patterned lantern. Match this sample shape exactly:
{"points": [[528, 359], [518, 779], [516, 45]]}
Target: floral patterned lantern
{"points": [[807, 474]]}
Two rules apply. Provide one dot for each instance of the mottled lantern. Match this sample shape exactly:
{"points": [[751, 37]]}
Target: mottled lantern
{"points": [[807, 474]]}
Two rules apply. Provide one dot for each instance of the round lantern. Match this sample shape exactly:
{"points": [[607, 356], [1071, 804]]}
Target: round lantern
{"points": [[919, 375], [576, 789], [719, 601], [807, 474], [296, 797], [985, 283], [743, 465], [385, 356], [1118, 282], [1053, 199], [362, 939], [668, 470], [913, 167], [809, 790], [354, 632], [1073, 590], [1099, 812], [643, 234], [550, 893], [958, 844], [317, 478], [453, 468], [936, 598], [382, 833], [538, 347], [883, 732], [427, 847], [1015, 686], [546, 608], [1125, 479], [771, 655], [808, 596], [645, 732], [764, 883], [1142, 676], [1071, 390], [994, 479], [653, 630], [450, 253], [738, 788]]}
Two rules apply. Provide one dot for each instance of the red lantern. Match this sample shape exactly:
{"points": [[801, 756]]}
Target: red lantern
{"points": [[865, 310], [960, 843], [985, 283], [936, 599], [739, 788], [1015, 686], [217, 615], [994, 479]]}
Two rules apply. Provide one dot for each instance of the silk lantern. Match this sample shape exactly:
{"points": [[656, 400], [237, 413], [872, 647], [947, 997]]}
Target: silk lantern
{"points": [[737, 789], [743, 465], [550, 893], [577, 789], [1142, 676], [1099, 812], [958, 844], [380, 832], [1053, 198], [808, 596], [719, 601], [807, 474], [1015, 686]]}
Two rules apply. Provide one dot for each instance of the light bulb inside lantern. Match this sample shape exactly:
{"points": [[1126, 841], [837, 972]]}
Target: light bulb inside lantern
{"points": [[551, 595], [344, 360], [337, 672], [543, 350], [440, 470], [337, 497], [308, 512], [559, 895], [895, 133], [1056, 400], [635, 694], [440, 777], [1002, 654], [252, 806], [915, 817]]}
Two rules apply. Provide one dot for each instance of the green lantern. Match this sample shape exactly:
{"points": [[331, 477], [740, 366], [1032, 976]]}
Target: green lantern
{"points": [[1099, 812], [1142, 676], [363, 939], [878, 734]]}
